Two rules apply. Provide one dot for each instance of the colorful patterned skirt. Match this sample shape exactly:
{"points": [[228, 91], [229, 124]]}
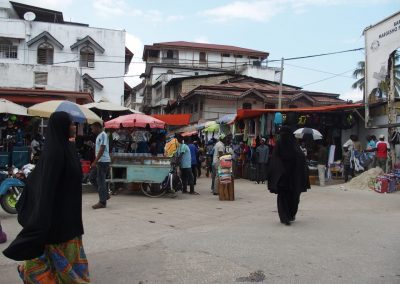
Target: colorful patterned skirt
{"points": [[60, 263]]}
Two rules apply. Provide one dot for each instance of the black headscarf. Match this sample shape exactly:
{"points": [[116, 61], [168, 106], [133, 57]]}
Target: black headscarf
{"points": [[54, 181], [287, 170]]}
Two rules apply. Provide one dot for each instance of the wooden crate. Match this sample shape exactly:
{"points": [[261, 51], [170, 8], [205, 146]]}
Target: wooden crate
{"points": [[226, 191], [314, 180]]}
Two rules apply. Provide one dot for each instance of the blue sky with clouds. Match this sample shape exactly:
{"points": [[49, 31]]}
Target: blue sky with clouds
{"points": [[284, 28]]}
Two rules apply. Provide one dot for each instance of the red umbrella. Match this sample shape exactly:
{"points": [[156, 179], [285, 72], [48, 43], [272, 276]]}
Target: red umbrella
{"points": [[135, 120]]}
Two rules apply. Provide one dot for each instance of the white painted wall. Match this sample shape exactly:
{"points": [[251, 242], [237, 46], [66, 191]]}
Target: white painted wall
{"points": [[22, 76], [113, 41]]}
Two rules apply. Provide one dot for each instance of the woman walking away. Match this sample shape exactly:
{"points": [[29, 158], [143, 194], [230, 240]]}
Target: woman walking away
{"points": [[50, 212], [288, 175]]}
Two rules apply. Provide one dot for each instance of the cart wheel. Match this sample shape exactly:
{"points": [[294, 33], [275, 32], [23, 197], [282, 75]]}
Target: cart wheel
{"points": [[152, 189]]}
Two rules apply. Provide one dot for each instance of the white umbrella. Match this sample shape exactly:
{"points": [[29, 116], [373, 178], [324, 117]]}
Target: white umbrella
{"points": [[11, 108], [105, 105], [299, 133]]}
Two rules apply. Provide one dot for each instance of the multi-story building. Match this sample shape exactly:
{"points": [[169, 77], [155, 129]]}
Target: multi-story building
{"points": [[213, 99], [170, 60], [40, 50]]}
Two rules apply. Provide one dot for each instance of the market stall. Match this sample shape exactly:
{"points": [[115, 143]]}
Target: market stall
{"points": [[138, 163]]}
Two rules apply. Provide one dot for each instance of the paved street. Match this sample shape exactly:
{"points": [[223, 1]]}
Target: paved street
{"points": [[339, 237]]}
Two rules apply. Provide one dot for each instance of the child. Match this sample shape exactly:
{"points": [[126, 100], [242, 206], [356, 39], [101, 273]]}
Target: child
{"points": [[347, 163], [3, 236]]}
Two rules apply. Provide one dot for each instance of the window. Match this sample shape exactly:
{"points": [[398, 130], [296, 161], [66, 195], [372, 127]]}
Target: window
{"points": [[203, 57], [201, 106], [196, 107], [246, 106], [167, 92], [154, 53], [45, 54], [88, 88], [292, 106], [40, 78], [170, 54], [7, 49], [238, 56], [87, 57], [225, 55], [254, 57]]}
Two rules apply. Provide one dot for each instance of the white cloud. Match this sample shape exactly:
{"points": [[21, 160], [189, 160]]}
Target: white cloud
{"points": [[137, 66], [352, 95], [264, 10], [119, 8], [202, 39]]}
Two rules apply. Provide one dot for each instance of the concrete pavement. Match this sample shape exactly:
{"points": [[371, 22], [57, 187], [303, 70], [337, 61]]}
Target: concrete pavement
{"points": [[339, 237]]}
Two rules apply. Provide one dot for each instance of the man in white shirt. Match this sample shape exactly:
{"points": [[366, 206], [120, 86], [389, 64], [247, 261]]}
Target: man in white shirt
{"points": [[100, 165], [219, 150]]}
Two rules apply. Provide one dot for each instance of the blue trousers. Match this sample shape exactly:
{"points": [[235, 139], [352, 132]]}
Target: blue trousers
{"points": [[98, 177]]}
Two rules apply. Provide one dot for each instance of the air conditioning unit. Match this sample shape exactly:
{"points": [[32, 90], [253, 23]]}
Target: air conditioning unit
{"points": [[90, 64]]}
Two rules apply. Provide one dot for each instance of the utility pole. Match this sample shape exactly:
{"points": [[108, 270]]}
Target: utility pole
{"points": [[280, 85]]}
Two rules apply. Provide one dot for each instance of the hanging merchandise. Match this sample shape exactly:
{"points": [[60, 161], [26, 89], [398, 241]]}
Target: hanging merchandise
{"points": [[348, 121], [278, 119], [263, 124], [291, 118]]}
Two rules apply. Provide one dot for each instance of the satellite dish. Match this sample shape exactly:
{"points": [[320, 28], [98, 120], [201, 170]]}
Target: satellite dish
{"points": [[29, 16]]}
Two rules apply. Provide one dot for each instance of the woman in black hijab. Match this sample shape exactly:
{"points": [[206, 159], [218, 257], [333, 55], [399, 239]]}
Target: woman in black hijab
{"points": [[288, 175], [50, 212]]}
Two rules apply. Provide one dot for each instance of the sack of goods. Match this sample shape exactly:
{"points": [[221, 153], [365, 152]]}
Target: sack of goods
{"points": [[385, 183], [171, 147], [225, 169], [225, 161]]}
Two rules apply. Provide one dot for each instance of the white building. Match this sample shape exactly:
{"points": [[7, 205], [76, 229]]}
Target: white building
{"points": [[39, 50], [168, 60]]}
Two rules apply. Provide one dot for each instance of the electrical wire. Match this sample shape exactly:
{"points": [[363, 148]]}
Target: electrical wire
{"points": [[325, 79], [316, 55]]}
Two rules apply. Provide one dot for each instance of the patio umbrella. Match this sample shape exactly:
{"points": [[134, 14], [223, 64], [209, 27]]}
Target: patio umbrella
{"points": [[301, 132], [227, 119], [11, 108], [212, 126], [108, 106], [135, 120], [78, 113]]}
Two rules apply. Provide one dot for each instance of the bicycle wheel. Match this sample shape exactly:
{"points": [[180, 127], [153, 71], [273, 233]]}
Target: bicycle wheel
{"points": [[152, 189]]}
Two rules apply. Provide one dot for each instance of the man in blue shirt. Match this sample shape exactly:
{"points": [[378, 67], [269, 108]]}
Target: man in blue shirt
{"points": [[100, 165], [194, 153], [186, 165]]}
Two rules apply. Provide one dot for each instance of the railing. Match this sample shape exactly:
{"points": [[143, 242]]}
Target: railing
{"points": [[8, 51]]}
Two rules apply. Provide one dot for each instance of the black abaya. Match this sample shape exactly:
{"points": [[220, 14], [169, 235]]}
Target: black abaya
{"points": [[287, 175], [50, 208]]}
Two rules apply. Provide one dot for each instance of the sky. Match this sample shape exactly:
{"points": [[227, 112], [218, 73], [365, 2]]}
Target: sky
{"points": [[284, 28]]}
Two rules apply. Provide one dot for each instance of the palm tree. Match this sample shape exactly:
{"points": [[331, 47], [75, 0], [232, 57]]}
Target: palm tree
{"points": [[359, 74], [383, 87]]}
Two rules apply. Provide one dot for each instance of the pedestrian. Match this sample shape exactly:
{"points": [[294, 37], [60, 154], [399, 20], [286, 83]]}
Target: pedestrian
{"points": [[100, 165], [322, 162], [262, 154], [209, 157], [382, 150], [347, 164], [287, 175], [219, 150], [3, 236], [50, 212], [370, 149], [200, 157], [194, 154], [185, 166]]}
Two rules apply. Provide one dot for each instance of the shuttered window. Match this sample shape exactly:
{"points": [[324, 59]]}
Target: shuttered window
{"points": [[7, 49], [87, 57], [41, 78], [45, 54]]}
